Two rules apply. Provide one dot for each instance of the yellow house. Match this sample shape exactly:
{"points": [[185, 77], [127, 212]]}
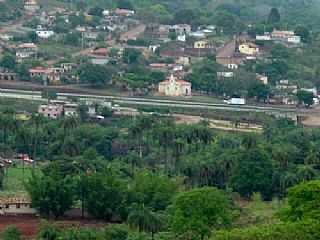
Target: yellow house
{"points": [[201, 44], [249, 48]]}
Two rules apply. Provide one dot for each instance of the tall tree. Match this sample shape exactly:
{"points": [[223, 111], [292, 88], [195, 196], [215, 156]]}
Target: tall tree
{"points": [[52, 194], [196, 213], [274, 16]]}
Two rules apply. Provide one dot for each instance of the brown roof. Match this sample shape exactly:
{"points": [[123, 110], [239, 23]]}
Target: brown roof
{"points": [[40, 70], [15, 200]]}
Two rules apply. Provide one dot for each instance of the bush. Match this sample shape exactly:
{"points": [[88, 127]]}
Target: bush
{"points": [[11, 233], [285, 231]]}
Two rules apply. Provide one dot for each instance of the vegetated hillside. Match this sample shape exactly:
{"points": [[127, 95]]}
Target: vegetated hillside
{"points": [[10, 9], [293, 12]]}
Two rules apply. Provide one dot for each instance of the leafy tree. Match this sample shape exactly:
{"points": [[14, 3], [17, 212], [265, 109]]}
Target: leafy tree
{"points": [[152, 190], [172, 35], [96, 11], [226, 21], [23, 71], [107, 196], [306, 230], [274, 16], [11, 233], [303, 201], [8, 61], [72, 39], [259, 90], [95, 75], [116, 232], [125, 4], [51, 192], [196, 213], [131, 56], [305, 97], [32, 36], [304, 33], [145, 220], [49, 94], [254, 173]]}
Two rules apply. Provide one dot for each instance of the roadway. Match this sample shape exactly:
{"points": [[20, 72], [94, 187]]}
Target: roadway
{"points": [[142, 101]]}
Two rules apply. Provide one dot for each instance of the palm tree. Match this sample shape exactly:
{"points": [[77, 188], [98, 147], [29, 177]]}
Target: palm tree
{"points": [[145, 220], [69, 124]]}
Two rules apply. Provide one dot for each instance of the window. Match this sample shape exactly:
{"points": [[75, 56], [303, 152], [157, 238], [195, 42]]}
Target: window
{"points": [[18, 205], [7, 206]]}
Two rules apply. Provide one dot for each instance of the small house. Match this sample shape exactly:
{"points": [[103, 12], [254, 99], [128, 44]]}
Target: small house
{"points": [[53, 111], [31, 6], [48, 75], [16, 206], [26, 50], [70, 109], [262, 78], [44, 34], [248, 49]]}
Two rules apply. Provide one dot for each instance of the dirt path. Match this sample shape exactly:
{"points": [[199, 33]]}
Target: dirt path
{"points": [[133, 33]]}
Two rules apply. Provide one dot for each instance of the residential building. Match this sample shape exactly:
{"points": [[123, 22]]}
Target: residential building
{"points": [[124, 12], [202, 44], [248, 49], [31, 6], [6, 74], [26, 50], [159, 66], [266, 37], [294, 39], [53, 111], [44, 34], [48, 75], [181, 38], [175, 87], [16, 206], [185, 61], [222, 75], [286, 36], [262, 78], [181, 29], [70, 109], [276, 34]]}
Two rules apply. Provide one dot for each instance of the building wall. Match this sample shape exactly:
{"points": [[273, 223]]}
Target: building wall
{"points": [[173, 89], [246, 49], [16, 209]]}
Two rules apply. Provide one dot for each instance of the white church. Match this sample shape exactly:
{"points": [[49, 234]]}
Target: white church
{"points": [[175, 87]]}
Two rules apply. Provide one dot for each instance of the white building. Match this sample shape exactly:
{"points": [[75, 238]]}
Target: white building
{"points": [[174, 87], [262, 78], [44, 34], [181, 38], [225, 74], [70, 110], [31, 6], [294, 39]]}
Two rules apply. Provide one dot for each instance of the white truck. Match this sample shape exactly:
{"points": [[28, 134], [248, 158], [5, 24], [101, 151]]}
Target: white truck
{"points": [[236, 101]]}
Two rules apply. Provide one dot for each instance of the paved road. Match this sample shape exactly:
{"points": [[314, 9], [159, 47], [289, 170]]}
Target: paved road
{"points": [[134, 101]]}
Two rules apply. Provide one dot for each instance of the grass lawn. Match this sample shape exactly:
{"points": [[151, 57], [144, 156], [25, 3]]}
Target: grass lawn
{"points": [[15, 178], [258, 211], [55, 49], [19, 105]]}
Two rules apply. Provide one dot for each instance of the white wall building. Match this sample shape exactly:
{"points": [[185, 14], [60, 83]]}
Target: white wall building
{"points": [[174, 87], [45, 34]]}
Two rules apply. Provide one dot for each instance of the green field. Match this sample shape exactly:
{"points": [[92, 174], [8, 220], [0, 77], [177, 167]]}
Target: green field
{"points": [[15, 178]]}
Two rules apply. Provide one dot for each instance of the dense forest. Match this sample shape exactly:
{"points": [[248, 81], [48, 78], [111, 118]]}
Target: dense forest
{"points": [[148, 171]]}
